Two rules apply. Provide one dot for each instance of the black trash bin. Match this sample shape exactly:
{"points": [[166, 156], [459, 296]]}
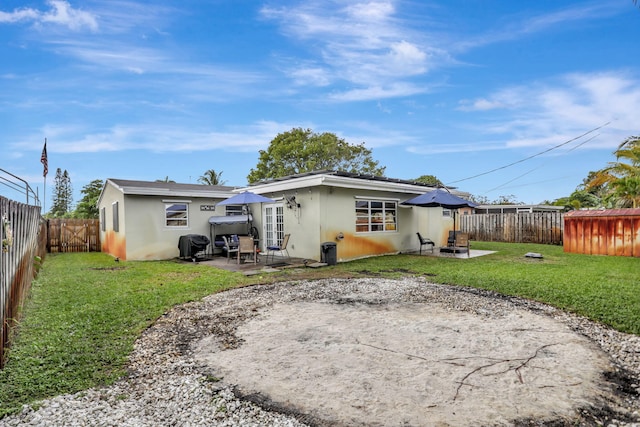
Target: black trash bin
{"points": [[329, 253]]}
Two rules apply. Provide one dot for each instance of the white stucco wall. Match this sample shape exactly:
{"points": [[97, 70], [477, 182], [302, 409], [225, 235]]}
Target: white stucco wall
{"points": [[112, 242], [148, 237], [326, 212]]}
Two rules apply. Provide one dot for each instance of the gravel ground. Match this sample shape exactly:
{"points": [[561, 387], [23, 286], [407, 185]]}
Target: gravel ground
{"points": [[168, 385]]}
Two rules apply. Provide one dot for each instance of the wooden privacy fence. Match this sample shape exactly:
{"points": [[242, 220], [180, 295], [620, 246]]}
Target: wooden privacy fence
{"points": [[73, 235], [524, 227], [23, 236]]}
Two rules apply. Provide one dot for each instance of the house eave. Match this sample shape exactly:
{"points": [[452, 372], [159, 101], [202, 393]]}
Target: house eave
{"points": [[340, 182], [178, 190], [166, 192]]}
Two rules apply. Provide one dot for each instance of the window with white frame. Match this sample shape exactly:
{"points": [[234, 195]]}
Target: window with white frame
{"points": [[232, 210], [176, 214], [376, 216], [114, 215], [446, 212]]}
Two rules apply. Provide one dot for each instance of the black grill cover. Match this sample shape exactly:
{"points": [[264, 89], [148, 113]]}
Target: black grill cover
{"points": [[191, 244]]}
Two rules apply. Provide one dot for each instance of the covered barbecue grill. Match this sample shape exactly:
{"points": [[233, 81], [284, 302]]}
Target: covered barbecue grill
{"points": [[191, 245]]}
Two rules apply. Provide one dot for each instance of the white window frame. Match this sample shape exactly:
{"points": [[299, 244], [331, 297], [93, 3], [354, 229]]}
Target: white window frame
{"points": [[171, 222], [234, 210], [115, 216], [103, 219], [376, 215]]}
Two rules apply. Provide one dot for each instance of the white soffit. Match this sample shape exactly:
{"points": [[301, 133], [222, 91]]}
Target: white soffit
{"points": [[338, 181]]}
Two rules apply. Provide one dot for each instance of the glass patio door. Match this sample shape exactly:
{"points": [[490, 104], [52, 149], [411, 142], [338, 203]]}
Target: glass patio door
{"points": [[273, 223]]}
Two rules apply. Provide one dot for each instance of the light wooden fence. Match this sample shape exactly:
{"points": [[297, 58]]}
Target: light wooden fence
{"points": [[526, 227], [73, 235], [23, 237]]}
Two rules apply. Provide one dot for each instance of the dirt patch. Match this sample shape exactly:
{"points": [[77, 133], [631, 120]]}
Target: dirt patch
{"points": [[410, 355]]}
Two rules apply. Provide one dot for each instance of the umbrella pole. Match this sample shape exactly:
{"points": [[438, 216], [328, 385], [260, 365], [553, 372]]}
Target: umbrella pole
{"points": [[455, 211]]}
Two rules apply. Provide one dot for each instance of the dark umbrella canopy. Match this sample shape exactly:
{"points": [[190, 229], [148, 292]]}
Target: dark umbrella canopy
{"points": [[443, 198], [245, 198], [440, 197]]}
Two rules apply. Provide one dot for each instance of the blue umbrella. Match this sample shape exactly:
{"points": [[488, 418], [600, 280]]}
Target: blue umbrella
{"points": [[245, 198], [443, 198], [440, 197]]}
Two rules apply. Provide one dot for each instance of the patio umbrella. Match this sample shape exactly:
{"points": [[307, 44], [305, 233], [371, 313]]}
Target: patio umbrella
{"points": [[245, 198], [443, 198], [440, 197]]}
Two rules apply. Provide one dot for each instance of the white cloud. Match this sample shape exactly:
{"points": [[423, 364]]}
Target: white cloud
{"points": [[19, 15], [480, 104], [60, 13], [519, 27], [366, 45], [508, 98], [113, 56], [408, 58], [64, 14], [371, 11], [310, 75], [550, 112], [158, 138], [393, 90]]}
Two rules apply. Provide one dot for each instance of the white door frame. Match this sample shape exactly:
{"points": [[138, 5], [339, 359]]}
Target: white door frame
{"points": [[272, 224]]}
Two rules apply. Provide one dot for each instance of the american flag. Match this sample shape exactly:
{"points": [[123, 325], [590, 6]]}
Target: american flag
{"points": [[43, 159]]}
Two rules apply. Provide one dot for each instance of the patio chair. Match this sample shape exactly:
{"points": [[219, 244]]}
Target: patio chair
{"points": [[282, 247], [247, 246], [229, 247], [425, 242], [462, 243], [458, 244]]}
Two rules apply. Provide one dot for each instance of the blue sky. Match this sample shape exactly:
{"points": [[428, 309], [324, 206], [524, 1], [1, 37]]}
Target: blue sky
{"points": [[456, 89]]}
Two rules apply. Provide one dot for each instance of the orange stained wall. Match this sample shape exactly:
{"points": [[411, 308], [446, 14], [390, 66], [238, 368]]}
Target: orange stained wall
{"points": [[115, 244], [606, 232], [352, 246]]}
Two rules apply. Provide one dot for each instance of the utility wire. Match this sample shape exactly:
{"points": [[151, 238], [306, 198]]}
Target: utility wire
{"points": [[531, 157], [511, 180], [539, 167]]}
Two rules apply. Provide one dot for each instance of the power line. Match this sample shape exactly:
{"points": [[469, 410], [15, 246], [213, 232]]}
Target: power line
{"points": [[511, 180], [531, 157], [539, 167]]}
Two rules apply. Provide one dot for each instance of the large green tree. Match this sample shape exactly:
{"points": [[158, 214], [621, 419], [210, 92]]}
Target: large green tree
{"points": [[88, 206], [620, 180], [429, 180], [301, 150], [211, 177], [62, 195]]}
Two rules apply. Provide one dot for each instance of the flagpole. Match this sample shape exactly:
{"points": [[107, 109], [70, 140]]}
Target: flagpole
{"points": [[45, 163]]}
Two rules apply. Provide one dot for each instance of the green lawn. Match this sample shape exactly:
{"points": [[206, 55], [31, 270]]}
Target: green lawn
{"points": [[605, 289], [86, 311]]}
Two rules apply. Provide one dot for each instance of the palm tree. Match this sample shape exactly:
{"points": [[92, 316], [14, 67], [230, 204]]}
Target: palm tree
{"points": [[621, 179], [166, 179], [211, 177], [627, 191]]}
